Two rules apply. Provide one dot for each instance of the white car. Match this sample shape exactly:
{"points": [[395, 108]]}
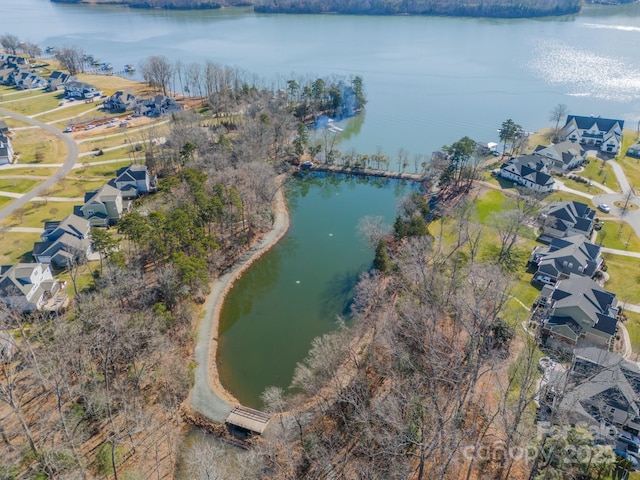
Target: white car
{"points": [[604, 207]]}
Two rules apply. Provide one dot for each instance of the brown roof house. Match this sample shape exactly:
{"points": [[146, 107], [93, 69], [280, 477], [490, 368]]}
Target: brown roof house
{"points": [[102, 207], [64, 242], [26, 287]]}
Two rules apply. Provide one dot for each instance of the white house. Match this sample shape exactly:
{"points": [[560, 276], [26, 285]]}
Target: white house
{"points": [[602, 133], [26, 287], [83, 90], [6, 150], [530, 171]]}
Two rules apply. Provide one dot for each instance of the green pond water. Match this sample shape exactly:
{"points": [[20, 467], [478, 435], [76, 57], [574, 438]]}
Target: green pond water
{"points": [[296, 291]]}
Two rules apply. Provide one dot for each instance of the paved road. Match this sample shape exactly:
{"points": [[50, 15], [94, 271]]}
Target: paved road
{"points": [[41, 199], [22, 229], [622, 178], [72, 158]]}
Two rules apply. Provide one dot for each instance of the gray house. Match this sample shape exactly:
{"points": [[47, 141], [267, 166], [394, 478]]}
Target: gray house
{"points": [[82, 90], [157, 106], [26, 287], [600, 386], [64, 242], [57, 80], [102, 207], [529, 171], [634, 150], [120, 102], [561, 157], [566, 256], [566, 219], [578, 312], [133, 181]]}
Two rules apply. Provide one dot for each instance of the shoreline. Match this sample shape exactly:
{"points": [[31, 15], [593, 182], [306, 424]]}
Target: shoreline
{"points": [[208, 396]]}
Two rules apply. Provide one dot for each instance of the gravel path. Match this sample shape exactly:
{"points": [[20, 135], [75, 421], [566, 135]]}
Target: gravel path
{"points": [[208, 396]]}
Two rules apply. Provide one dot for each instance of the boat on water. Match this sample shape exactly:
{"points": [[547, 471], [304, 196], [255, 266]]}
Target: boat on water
{"points": [[129, 68], [106, 66]]}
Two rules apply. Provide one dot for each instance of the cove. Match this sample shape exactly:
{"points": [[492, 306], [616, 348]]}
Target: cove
{"points": [[295, 292]]}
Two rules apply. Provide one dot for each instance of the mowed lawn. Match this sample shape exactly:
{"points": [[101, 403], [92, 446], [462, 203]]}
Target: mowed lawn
{"points": [[33, 104], [34, 214], [17, 247], [633, 327], [624, 277], [73, 188], [601, 172], [618, 235], [105, 171], [17, 185], [38, 146]]}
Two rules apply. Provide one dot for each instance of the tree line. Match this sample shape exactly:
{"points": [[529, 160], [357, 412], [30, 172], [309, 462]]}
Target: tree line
{"points": [[485, 8]]}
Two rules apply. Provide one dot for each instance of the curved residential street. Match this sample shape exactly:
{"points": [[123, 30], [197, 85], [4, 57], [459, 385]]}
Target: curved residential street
{"points": [[72, 158]]}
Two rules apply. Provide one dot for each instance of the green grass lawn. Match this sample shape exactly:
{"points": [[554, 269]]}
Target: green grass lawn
{"points": [[4, 201], [633, 327], [107, 170], [40, 172], [16, 247], [631, 167], [72, 188], [565, 197], [582, 187], [83, 280], [30, 106], [118, 141], [34, 214], [618, 235], [38, 146], [595, 170], [492, 201], [17, 185], [624, 277], [78, 109], [14, 123]]}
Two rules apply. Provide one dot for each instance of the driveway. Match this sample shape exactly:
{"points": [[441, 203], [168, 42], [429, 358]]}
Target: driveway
{"points": [[632, 217], [72, 158]]}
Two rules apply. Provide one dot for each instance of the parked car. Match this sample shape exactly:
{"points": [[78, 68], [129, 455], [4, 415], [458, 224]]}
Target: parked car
{"points": [[629, 438], [604, 207], [543, 279]]}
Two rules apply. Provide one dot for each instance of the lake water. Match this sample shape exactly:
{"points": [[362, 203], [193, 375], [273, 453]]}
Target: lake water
{"points": [[296, 290], [429, 81]]}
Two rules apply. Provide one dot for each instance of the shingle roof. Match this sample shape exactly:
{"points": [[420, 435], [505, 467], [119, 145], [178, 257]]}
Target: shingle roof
{"points": [[604, 124]]}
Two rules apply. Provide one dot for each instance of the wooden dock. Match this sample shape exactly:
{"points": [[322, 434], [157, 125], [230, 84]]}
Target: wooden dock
{"points": [[365, 172], [248, 419]]}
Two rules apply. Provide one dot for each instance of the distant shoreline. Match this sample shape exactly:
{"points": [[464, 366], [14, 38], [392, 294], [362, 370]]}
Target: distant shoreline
{"points": [[337, 7]]}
